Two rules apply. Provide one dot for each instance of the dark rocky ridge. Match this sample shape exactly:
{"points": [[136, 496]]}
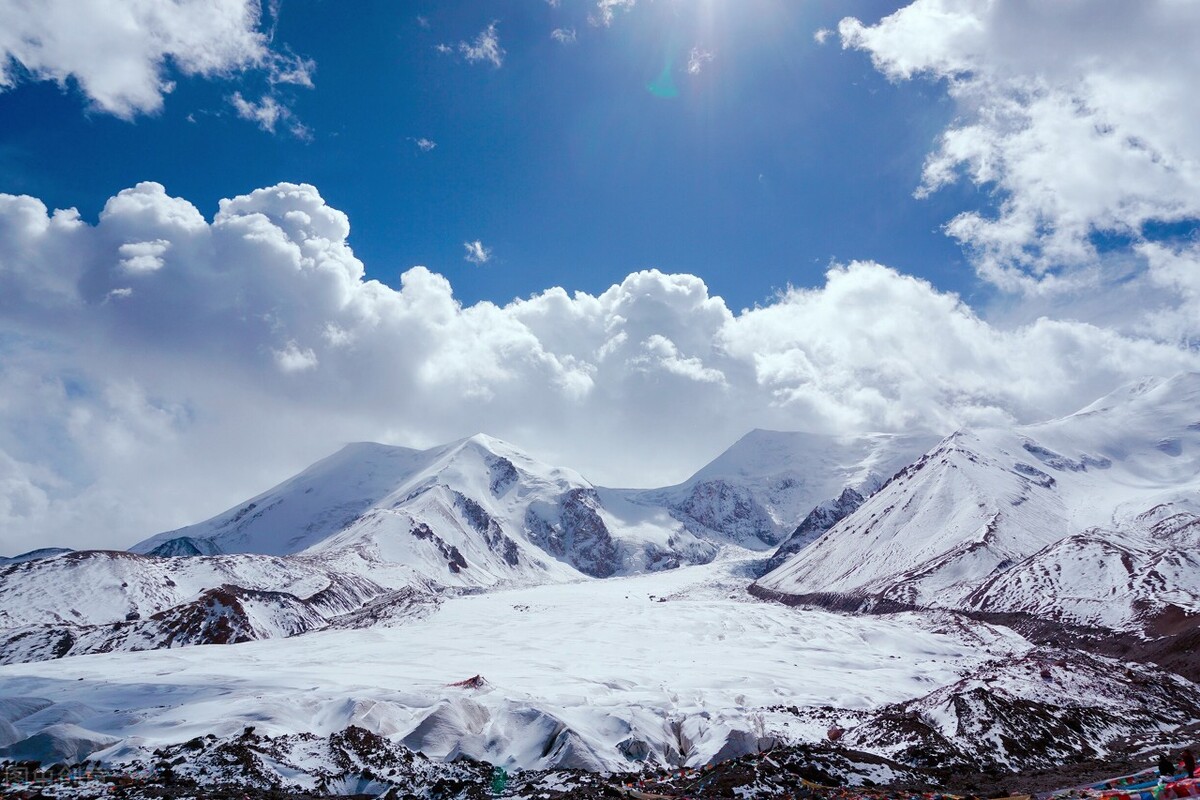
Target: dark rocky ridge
{"points": [[819, 520], [357, 763]]}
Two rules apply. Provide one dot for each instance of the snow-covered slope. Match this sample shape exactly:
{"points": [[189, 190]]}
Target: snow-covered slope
{"points": [[99, 587], [98, 601], [1091, 518], [372, 519], [484, 503], [673, 668], [1043, 708], [1127, 577], [666, 668], [758, 491], [34, 555], [478, 509], [823, 517], [308, 508]]}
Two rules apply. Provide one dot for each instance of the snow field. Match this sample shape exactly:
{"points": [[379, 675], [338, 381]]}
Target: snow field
{"points": [[676, 660]]}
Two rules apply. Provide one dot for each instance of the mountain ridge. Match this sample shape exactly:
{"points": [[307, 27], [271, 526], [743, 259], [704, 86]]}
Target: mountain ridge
{"points": [[993, 519]]}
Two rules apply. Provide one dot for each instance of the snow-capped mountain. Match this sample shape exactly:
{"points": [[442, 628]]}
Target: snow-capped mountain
{"points": [[372, 523], [474, 559], [477, 512], [1091, 518], [757, 492], [480, 512]]}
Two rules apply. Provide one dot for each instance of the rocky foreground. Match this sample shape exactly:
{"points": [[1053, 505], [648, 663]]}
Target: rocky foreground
{"points": [[357, 763]]}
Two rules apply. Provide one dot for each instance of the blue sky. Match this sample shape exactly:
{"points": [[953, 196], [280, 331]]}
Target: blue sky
{"points": [[781, 155], [620, 247]]}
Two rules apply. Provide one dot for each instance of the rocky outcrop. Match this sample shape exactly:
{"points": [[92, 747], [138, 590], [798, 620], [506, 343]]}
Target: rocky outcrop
{"points": [[819, 520]]}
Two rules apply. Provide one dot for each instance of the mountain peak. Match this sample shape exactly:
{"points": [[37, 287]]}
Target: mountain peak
{"points": [[1182, 386], [483, 441]]}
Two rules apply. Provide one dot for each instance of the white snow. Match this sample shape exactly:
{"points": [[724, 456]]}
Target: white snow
{"points": [[1094, 518], [678, 660], [1077, 515], [757, 492]]}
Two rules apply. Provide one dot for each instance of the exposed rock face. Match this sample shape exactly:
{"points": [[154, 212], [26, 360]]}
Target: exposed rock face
{"points": [[184, 546], [106, 601], [819, 520], [222, 615], [487, 527], [1011, 714], [720, 505], [591, 545], [502, 475], [575, 532], [757, 492], [353, 761], [454, 559]]}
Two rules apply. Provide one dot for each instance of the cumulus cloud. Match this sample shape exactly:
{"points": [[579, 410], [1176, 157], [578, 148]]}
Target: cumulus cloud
{"points": [[424, 145], [1080, 117], [477, 253], [143, 256], [486, 47], [159, 366], [294, 359], [120, 54], [563, 35]]}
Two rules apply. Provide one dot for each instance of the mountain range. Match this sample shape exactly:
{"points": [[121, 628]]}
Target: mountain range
{"points": [[1033, 559], [1092, 520]]}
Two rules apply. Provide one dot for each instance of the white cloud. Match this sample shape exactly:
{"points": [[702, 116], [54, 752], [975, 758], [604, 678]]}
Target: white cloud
{"points": [[697, 58], [444, 48], [132, 402], [821, 36], [662, 354], [139, 257], [486, 47], [424, 145], [120, 53], [293, 358], [477, 253], [606, 11], [268, 113], [1080, 116], [291, 69], [423, 22], [563, 35]]}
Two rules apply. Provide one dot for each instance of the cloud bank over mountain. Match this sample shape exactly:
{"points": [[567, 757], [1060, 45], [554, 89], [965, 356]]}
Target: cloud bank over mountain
{"points": [[162, 362], [158, 364]]}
